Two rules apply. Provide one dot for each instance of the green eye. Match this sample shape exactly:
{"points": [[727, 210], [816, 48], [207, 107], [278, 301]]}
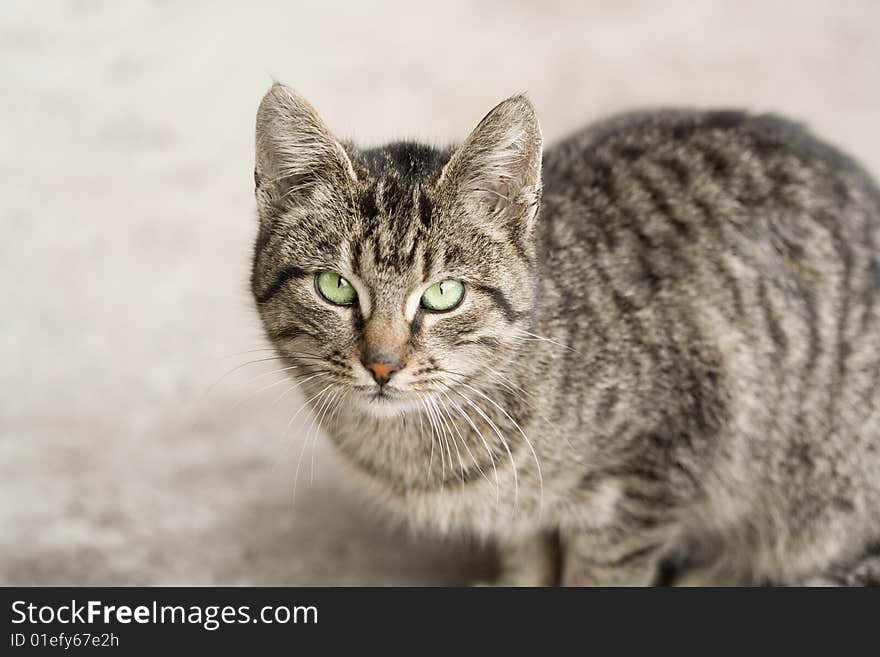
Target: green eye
{"points": [[443, 296], [335, 289]]}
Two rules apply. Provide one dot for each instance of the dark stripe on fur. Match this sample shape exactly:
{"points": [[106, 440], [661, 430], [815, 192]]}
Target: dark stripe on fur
{"points": [[284, 276], [500, 300]]}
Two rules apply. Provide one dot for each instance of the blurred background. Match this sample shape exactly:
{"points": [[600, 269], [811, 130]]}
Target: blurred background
{"points": [[127, 218]]}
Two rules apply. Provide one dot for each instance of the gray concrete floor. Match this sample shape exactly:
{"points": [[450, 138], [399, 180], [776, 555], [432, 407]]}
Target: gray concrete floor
{"points": [[127, 217]]}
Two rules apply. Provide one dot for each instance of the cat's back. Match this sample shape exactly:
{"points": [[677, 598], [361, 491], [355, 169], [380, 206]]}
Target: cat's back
{"points": [[679, 189], [759, 241], [716, 156]]}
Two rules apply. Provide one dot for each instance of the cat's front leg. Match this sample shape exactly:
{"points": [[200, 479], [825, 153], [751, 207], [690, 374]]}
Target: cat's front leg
{"points": [[612, 557], [530, 560]]}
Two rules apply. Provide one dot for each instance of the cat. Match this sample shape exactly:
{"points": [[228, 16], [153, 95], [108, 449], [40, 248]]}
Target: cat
{"points": [[651, 352]]}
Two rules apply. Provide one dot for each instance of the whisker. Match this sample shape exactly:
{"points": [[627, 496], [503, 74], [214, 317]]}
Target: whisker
{"points": [[421, 436], [254, 393], [503, 440], [441, 436], [297, 384], [331, 418], [504, 378], [484, 441], [451, 436], [302, 407], [335, 413], [299, 352], [461, 436], [302, 450], [306, 359], [338, 393], [291, 356], [525, 437], [247, 351], [439, 442], [493, 373], [238, 367], [535, 336]]}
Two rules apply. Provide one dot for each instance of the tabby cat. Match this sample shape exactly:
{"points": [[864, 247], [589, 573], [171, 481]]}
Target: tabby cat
{"points": [[652, 352]]}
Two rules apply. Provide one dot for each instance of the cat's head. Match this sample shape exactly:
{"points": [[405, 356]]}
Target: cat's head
{"points": [[395, 272]]}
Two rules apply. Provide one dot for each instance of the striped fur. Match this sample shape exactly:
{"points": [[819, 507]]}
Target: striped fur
{"points": [[668, 356]]}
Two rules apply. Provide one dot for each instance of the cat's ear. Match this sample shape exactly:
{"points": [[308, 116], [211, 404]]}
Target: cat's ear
{"points": [[296, 153], [496, 173]]}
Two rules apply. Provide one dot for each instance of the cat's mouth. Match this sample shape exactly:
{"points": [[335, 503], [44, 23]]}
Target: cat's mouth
{"points": [[386, 402], [379, 395]]}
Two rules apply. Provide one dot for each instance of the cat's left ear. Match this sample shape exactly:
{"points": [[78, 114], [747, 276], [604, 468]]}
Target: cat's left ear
{"points": [[495, 175]]}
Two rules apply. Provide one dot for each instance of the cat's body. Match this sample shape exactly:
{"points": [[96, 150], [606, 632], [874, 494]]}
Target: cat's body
{"points": [[677, 359]]}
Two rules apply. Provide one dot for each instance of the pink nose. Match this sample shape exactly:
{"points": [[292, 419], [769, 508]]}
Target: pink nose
{"points": [[382, 366], [381, 371]]}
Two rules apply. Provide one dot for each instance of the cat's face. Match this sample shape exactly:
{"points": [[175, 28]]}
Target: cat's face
{"points": [[396, 273]]}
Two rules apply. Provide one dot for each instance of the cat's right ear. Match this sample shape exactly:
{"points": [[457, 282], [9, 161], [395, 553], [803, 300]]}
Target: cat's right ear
{"points": [[296, 154], [495, 175]]}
